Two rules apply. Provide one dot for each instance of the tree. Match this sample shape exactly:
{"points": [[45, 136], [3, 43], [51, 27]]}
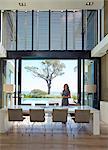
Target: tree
{"points": [[49, 70]]}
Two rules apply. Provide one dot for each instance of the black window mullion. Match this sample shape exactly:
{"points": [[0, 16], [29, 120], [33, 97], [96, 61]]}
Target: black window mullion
{"points": [[16, 29], [66, 29], [82, 30], [19, 82], [49, 30], [32, 28], [15, 80], [99, 82], [97, 26], [83, 99], [79, 81], [100, 25]]}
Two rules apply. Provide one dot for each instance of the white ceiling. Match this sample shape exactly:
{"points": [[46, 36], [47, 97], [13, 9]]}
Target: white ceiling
{"points": [[50, 4], [101, 49]]}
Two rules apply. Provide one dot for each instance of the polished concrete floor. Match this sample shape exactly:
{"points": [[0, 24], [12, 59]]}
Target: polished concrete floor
{"points": [[24, 137]]}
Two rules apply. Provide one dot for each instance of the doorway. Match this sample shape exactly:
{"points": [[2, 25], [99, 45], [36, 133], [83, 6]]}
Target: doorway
{"points": [[36, 73]]}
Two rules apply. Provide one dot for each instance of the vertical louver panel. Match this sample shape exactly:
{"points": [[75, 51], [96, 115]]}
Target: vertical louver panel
{"points": [[74, 29], [41, 30], [58, 30], [24, 30]]}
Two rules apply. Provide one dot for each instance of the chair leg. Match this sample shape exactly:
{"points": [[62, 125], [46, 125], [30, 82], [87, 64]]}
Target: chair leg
{"points": [[70, 128], [10, 129], [20, 127], [26, 123], [66, 132], [52, 130], [44, 130], [66, 128], [31, 127], [80, 127]]}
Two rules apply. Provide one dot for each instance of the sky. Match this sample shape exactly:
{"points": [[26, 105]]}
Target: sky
{"points": [[29, 82]]}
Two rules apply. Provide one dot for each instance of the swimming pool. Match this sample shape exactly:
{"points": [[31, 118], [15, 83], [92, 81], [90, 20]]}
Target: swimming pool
{"points": [[46, 101]]}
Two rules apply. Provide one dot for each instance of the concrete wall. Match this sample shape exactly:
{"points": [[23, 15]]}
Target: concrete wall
{"points": [[106, 17], [104, 59], [104, 78], [104, 89], [104, 111]]}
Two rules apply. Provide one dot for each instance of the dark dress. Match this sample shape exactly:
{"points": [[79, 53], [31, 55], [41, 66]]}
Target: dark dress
{"points": [[65, 101]]}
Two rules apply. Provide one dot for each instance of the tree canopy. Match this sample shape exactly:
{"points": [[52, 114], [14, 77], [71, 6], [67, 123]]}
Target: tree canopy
{"points": [[49, 70]]}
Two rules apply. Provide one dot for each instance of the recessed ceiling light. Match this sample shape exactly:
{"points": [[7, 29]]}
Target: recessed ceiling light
{"points": [[22, 4], [89, 3], [74, 11]]}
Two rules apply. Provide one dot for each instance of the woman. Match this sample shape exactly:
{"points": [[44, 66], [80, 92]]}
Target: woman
{"points": [[65, 94]]}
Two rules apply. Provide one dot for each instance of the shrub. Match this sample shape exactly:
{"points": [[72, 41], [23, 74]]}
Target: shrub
{"points": [[37, 93]]}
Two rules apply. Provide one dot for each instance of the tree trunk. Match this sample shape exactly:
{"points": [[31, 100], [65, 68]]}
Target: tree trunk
{"points": [[49, 86]]}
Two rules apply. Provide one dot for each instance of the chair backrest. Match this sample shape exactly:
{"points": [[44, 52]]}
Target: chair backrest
{"points": [[53, 104], [59, 115], [15, 115], [37, 115], [82, 116], [26, 104], [37, 104]]}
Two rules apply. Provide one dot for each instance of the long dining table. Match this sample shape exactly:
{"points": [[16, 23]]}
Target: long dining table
{"points": [[71, 109]]}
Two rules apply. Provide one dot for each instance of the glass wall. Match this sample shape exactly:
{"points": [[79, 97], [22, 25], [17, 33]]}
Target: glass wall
{"points": [[9, 30], [50, 30], [9, 76], [10, 68], [24, 41], [34, 86], [41, 30], [74, 30], [91, 29], [82, 82], [58, 30], [88, 83], [19, 72], [2, 81]]}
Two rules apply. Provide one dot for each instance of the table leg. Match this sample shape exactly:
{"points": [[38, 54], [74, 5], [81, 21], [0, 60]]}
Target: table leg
{"points": [[96, 123]]}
